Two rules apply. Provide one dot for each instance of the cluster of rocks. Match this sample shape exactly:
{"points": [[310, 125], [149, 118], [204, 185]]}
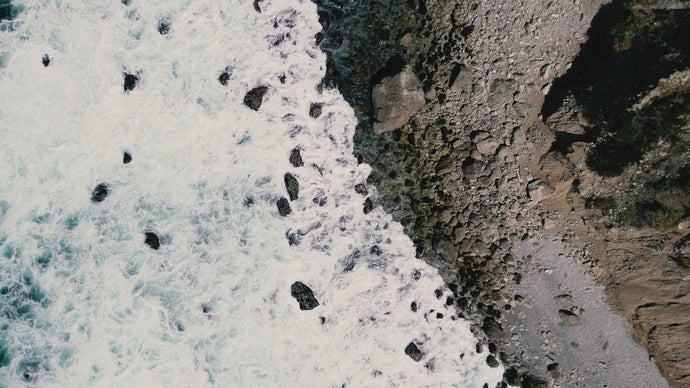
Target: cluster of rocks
{"points": [[472, 171]]}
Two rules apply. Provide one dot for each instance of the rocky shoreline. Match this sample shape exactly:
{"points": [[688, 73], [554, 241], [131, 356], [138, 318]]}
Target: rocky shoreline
{"points": [[531, 238]]}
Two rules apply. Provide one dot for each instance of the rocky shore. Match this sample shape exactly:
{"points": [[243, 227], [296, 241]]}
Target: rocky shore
{"points": [[537, 154]]}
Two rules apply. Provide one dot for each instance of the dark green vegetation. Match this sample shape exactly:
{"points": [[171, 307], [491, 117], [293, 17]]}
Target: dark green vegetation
{"points": [[631, 47]]}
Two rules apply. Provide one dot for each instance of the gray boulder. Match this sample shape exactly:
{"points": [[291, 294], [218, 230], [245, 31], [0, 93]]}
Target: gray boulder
{"points": [[396, 99]]}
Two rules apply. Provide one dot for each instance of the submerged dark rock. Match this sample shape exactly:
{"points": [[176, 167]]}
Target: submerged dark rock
{"points": [[126, 157], [131, 81], [257, 8], [45, 60], [163, 26], [304, 295], [283, 207], [292, 186], [368, 206], [99, 193], [224, 77], [296, 158], [255, 97], [413, 351], [152, 240], [315, 110]]}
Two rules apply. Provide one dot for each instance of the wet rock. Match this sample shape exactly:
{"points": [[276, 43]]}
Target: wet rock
{"points": [[152, 240], [304, 295], [413, 351], [315, 110], [131, 81], [538, 190], [283, 207], [257, 8], [396, 99], [491, 361], [292, 186], [126, 158], [360, 188], [472, 168], [445, 248], [568, 318], [492, 329], [45, 60], [501, 92], [368, 206], [99, 193], [255, 97], [224, 77], [163, 26], [296, 158]]}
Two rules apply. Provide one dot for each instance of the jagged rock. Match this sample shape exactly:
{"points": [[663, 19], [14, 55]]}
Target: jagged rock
{"points": [[538, 190], [396, 99], [463, 78], [296, 158], [445, 248], [152, 240], [491, 361], [361, 189], [131, 81], [99, 193], [283, 207], [292, 186], [413, 351], [501, 92], [163, 26], [304, 295], [315, 110], [255, 97], [488, 146]]}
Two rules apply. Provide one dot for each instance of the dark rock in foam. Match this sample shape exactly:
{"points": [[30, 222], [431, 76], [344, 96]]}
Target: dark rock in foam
{"points": [[99, 193], [296, 158], [283, 207], [126, 157], [255, 97], [163, 26], [304, 295], [292, 186], [45, 60], [152, 240], [413, 351], [131, 81], [224, 77], [315, 110]]}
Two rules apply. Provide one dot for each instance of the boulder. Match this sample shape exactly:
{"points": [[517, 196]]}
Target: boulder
{"points": [[99, 193], [304, 295], [296, 158], [283, 207], [131, 81], [152, 240], [501, 92], [396, 99], [255, 97], [493, 329], [538, 190], [45, 60], [413, 351], [445, 248], [126, 158], [292, 186]]}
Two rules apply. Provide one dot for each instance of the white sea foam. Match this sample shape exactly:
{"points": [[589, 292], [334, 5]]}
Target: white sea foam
{"points": [[86, 303]]}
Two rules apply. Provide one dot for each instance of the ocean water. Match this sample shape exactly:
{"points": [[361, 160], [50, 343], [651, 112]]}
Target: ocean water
{"points": [[84, 301]]}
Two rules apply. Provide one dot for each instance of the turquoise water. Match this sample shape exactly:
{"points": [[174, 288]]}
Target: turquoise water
{"points": [[84, 301]]}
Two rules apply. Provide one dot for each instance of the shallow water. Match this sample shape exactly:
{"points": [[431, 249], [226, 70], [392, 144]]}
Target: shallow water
{"points": [[84, 301]]}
